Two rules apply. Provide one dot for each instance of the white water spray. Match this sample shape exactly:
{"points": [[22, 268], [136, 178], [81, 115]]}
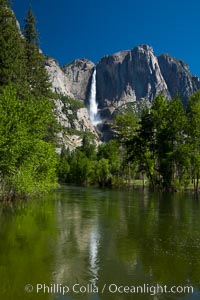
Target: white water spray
{"points": [[93, 106]]}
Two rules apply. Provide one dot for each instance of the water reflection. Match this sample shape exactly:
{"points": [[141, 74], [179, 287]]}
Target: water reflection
{"points": [[82, 236], [93, 254]]}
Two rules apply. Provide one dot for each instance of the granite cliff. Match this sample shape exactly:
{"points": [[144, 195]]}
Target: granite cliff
{"points": [[132, 77], [70, 83], [129, 76], [178, 77]]}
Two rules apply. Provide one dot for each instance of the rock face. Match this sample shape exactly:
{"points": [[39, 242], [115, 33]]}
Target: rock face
{"points": [[74, 123], [136, 75], [72, 82], [129, 76], [177, 77], [57, 78], [126, 76], [127, 79], [78, 77]]}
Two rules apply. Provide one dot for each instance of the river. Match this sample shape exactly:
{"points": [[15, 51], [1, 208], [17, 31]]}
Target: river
{"points": [[92, 244]]}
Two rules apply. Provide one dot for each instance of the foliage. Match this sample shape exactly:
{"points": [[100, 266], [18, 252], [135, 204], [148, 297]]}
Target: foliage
{"points": [[27, 162], [87, 165], [102, 172], [71, 104], [27, 125], [126, 126], [70, 107], [193, 132], [12, 52], [162, 146], [29, 30], [111, 152], [37, 77]]}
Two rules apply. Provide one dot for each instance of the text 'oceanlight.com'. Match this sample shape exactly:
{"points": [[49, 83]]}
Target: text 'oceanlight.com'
{"points": [[111, 288]]}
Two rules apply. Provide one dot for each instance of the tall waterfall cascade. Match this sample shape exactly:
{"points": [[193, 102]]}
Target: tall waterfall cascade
{"points": [[93, 106]]}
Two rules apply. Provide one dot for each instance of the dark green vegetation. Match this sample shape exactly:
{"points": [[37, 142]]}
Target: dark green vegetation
{"points": [[27, 156], [83, 235], [161, 146]]}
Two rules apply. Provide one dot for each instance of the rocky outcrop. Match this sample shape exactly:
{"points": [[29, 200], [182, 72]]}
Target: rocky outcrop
{"points": [[129, 76], [72, 114], [78, 77], [57, 78], [127, 80], [74, 122], [177, 77]]}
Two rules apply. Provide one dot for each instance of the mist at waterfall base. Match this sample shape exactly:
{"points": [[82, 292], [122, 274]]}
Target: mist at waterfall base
{"points": [[93, 106]]}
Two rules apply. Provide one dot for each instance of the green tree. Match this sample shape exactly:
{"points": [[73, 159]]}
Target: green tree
{"points": [[36, 173], [88, 146], [193, 131], [12, 52], [126, 126], [159, 141], [111, 152], [173, 139], [63, 169], [38, 81], [35, 61], [102, 172], [27, 162], [29, 31], [28, 159], [141, 147]]}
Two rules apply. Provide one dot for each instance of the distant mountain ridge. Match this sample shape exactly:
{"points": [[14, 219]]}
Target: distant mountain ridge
{"points": [[124, 80], [126, 76]]}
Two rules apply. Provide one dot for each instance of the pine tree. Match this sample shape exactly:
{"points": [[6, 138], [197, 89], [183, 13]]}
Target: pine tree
{"points": [[27, 156], [36, 73], [12, 55], [29, 31], [37, 77]]}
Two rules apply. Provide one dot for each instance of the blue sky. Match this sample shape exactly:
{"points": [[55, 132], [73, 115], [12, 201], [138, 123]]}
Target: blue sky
{"points": [[71, 29]]}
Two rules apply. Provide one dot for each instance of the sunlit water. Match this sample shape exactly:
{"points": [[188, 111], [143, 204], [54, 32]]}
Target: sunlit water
{"points": [[95, 237]]}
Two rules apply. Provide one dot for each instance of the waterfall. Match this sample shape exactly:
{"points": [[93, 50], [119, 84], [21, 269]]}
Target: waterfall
{"points": [[93, 106]]}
